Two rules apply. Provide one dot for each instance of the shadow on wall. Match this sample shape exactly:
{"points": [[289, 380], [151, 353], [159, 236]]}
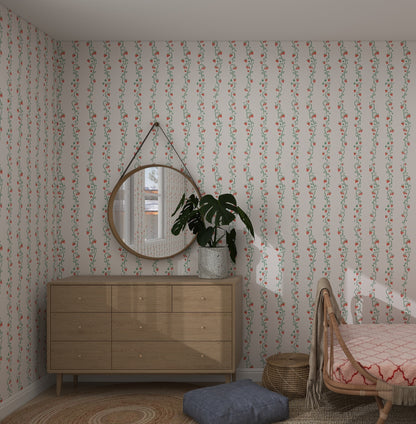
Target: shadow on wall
{"points": [[374, 302], [382, 314]]}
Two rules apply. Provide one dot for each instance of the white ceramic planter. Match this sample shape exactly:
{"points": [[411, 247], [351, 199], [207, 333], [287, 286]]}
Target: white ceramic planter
{"points": [[213, 262]]}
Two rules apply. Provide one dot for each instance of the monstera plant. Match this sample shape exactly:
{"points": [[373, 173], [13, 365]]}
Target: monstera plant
{"points": [[209, 218]]}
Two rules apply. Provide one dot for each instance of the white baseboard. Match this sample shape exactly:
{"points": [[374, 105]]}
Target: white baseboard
{"points": [[254, 374], [28, 393]]}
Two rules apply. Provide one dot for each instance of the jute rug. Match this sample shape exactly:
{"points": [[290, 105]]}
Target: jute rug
{"points": [[342, 409], [138, 403], [161, 403]]}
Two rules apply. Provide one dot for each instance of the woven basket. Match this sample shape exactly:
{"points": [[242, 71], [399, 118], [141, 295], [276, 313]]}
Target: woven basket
{"points": [[287, 373]]}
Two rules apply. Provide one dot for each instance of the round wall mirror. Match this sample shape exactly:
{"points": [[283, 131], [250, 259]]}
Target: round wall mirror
{"points": [[140, 211]]}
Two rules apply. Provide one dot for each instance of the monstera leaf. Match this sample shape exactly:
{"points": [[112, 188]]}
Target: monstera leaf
{"points": [[230, 238], [189, 215], [205, 237], [218, 211]]}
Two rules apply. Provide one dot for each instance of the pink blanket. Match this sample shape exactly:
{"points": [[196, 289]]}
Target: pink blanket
{"points": [[387, 351]]}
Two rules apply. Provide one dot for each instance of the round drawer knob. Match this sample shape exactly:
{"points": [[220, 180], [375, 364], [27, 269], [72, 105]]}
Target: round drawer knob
{"points": [[79, 327], [79, 356], [203, 298], [141, 298], [203, 327], [79, 298], [202, 355], [140, 326], [140, 356]]}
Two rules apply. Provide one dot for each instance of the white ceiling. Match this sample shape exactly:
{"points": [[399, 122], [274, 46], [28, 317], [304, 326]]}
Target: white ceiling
{"points": [[220, 19]]}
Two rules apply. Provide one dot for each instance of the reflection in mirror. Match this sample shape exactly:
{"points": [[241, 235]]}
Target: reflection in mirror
{"points": [[141, 207]]}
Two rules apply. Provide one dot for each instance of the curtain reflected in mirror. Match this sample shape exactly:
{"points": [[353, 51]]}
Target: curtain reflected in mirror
{"points": [[141, 208]]}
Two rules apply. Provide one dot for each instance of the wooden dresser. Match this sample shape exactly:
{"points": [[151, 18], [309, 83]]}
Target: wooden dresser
{"points": [[145, 324]]}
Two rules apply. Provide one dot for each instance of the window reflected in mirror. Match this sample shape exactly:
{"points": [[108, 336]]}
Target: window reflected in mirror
{"points": [[154, 221]]}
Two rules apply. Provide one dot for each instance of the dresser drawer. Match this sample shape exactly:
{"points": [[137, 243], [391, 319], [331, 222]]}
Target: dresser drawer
{"points": [[175, 326], [202, 299], [154, 356], [80, 356], [81, 326], [80, 299], [141, 299]]}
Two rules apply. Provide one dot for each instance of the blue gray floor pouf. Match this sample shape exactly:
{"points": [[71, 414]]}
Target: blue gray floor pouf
{"points": [[240, 402]]}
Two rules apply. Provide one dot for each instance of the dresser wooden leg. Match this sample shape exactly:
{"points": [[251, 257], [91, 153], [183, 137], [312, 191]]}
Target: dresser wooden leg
{"points": [[75, 380], [58, 384], [228, 378]]}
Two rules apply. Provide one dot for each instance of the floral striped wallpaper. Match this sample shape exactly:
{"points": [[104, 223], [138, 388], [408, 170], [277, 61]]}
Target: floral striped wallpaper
{"points": [[26, 200], [313, 138]]}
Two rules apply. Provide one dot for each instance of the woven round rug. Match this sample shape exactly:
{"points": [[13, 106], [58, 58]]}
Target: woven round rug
{"points": [[116, 404]]}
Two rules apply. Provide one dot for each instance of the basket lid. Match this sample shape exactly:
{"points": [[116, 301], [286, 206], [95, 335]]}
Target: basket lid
{"points": [[289, 360]]}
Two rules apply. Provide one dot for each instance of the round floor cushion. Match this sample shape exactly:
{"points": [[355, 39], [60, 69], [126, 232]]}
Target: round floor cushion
{"points": [[240, 402]]}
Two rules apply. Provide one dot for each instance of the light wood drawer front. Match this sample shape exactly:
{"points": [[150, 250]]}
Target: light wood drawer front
{"points": [[80, 299], [81, 355], [81, 326], [171, 356], [141, 298], [172, 327], [202, 299]]}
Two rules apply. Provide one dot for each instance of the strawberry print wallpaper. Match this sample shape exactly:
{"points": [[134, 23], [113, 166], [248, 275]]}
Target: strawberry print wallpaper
{"points": [[27, 179], [313, 138]]}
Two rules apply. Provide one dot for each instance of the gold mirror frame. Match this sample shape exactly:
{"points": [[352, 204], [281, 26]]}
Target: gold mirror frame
{"points": [[111, 214]]}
